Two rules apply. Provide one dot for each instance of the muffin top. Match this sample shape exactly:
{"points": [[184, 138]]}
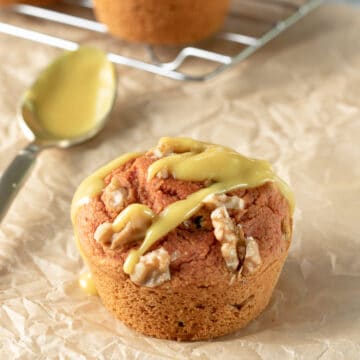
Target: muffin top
{"points": [[183, 212]]}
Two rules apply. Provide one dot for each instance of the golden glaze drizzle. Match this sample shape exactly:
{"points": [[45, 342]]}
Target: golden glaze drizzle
{"points": [[85, 280], [87, 284], [132, 211], [187, 159]]}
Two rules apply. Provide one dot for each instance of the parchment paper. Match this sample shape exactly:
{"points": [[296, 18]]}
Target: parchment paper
{"points": [[295, 103]]}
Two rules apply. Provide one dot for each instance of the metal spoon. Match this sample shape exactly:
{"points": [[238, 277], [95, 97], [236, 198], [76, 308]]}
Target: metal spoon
{"points": [[71, 84]]}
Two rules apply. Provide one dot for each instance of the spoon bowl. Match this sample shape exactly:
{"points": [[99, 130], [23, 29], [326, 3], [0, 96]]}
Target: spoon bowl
{"points": [[68, 104]]}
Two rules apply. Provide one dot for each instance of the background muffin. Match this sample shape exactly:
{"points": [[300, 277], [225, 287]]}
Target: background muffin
{"points": [[201, 288], [162, 21]]}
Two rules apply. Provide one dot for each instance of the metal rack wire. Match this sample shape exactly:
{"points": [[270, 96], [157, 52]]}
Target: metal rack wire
{"points": [[265, 19]]}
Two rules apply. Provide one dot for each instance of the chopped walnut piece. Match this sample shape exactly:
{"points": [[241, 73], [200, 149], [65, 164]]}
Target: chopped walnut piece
{"points": [[230, 202], [115, 195], [162, 173], [224, 228], [154, 153], [152, 269], [158, 153], [229, 234], [252, 259], [229, 253], [103, 233], [175, 255], [134, 230], [122, 237]]}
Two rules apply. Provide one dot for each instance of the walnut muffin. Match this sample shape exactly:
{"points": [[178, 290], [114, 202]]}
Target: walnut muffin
{"points": [[210, 275], [162, 21]]}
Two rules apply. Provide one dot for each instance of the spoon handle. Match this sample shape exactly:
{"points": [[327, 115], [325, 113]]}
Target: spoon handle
{"points": [[15, 175]]}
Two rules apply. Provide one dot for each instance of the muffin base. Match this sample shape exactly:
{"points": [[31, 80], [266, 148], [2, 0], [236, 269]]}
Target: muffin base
{"points": [[190, 312]]}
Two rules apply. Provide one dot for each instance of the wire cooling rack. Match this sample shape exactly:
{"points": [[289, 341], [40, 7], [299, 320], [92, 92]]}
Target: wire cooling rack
{"points": [[250, 25]]}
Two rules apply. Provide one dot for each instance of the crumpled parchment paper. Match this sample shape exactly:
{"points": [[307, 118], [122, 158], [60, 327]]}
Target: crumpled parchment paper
{"points": [[295, 103]]}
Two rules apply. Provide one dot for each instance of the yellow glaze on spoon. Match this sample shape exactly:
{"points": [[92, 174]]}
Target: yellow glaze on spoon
{"points": [[71, 95], [190, 160]]}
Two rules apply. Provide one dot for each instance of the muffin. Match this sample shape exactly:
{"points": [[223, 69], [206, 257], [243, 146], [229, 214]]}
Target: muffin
{"points": [[185, 241], [162, 21]]}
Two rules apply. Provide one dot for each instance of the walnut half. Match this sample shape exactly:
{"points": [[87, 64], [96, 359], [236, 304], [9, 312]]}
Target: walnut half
{"points": [[229, 235], [152, 269], [130, 226], [252, 259], [134, 230], [230, 202], [115, 195], [103, 233]]}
